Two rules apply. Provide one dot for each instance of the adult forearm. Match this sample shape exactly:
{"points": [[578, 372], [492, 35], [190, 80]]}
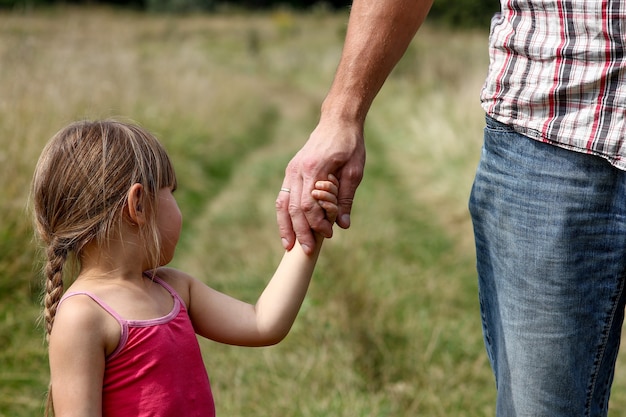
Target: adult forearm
{"points": [[379, 33]]}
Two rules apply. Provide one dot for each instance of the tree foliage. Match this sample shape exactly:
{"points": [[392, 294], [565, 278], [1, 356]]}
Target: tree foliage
{"points": [[453, 13], [464, 13]]}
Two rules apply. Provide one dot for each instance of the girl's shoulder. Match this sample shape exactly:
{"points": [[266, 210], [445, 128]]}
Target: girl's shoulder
{"points": [[78, 311], [80, 321], [177, 280]]}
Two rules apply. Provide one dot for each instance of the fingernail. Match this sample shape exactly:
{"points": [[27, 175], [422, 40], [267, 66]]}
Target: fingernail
{"points": [[306, 248], [345, 219], [285, 243]]}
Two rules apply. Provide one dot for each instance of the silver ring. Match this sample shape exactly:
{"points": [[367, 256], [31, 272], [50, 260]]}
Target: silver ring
{"points": [[287, 190]]}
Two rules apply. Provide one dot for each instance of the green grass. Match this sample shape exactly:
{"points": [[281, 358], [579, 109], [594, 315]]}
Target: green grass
{"points": [[391, 325]]}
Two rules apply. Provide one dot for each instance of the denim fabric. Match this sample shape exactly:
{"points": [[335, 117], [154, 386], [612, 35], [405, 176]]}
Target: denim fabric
{"points": [[550, 230]]}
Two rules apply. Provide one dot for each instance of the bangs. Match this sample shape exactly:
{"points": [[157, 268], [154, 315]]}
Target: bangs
{"points": [[166, 173]]}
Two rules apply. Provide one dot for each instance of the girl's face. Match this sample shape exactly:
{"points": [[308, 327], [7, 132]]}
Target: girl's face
{"points": [[169, 222]]}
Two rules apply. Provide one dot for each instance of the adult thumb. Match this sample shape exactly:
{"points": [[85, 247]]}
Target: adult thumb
{"points": [[345, 198]]}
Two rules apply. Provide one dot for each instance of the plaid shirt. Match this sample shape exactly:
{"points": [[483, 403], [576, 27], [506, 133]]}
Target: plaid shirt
{"points": [[557, 73]]}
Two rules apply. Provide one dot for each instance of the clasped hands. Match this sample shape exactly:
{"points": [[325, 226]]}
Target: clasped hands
{"points": [[324, 194]]}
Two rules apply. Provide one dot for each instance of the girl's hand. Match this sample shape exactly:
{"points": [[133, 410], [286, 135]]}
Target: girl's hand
{"points": [[325, 192]]}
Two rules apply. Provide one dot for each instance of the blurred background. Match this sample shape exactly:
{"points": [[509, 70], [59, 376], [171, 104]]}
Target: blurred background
{"points": [[390, 326]]}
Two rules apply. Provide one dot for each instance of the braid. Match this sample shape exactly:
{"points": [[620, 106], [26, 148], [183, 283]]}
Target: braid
{"points": [[57, 255], [49, 410]]}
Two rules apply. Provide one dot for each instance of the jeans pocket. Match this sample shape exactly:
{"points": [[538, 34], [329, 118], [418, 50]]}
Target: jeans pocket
{"points": [[493, 125]]}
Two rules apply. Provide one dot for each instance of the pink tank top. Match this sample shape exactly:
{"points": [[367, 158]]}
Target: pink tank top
{"points": [[157, 369]]}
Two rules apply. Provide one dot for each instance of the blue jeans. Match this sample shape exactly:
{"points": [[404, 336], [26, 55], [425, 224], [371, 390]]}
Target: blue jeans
{"points": [[550, 230]]}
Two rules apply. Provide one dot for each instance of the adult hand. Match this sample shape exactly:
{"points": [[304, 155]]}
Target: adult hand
{"points": [[334, 147]]}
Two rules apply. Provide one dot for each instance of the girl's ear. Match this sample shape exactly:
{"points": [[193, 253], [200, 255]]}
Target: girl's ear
{"points": [[136, 206]]}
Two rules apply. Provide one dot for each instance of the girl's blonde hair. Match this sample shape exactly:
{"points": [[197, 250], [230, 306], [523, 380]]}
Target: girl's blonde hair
{"points": [[80, 189]]}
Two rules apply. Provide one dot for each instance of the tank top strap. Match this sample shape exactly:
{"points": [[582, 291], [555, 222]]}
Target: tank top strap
{"points": [[168, 287], [122, 322], [97, 300]]}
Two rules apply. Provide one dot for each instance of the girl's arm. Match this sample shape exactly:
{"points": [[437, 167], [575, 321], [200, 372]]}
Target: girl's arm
{"points": [[224, 319], [278, 305], [77, 350], [227, 320]]}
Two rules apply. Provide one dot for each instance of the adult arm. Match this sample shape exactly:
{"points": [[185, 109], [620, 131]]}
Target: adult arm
{"points": [[379, 32]]}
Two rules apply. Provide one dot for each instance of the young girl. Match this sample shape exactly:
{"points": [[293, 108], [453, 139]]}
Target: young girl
{"points": [[122, 340]]}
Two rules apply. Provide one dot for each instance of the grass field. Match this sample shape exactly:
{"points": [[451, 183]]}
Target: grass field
{"points": [[390, 326]]}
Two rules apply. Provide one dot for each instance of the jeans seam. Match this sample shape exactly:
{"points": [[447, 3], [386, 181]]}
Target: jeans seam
{"points": [[603, 343]]}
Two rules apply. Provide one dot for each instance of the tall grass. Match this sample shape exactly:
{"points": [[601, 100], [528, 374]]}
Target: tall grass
{"points": [[390, 326]]}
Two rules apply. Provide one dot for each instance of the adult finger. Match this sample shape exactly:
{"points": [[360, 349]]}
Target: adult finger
{"points": [[298, 203], [283, 218], [348, 183]]}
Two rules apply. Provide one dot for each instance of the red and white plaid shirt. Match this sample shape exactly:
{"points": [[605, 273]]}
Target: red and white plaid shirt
{"points": [[557, 73]]}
